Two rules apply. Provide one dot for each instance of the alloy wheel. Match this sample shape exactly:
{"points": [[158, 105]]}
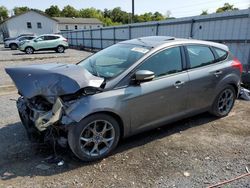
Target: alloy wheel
{"points": [[29, 50], [97, 138], [225, 102]]}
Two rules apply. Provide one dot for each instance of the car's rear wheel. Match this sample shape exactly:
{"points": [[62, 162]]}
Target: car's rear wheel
{"points": [[60, 49], [224, 102], [13, 46], [94, 137], [29, 50]]}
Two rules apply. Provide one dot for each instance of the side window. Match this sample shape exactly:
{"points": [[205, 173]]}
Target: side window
{"points": [[222, 55], [29, 26], [164, 62], [21, 38], [46, 37], [40, 38], [39, 25], [199, 55]]}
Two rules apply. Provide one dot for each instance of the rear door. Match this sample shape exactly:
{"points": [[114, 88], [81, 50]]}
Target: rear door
{"points": [[52, 41], [204, 73]]}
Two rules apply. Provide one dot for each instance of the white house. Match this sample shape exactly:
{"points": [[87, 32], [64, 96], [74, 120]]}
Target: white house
{"points": [[35, 22], [77, 23], [31, 22]]}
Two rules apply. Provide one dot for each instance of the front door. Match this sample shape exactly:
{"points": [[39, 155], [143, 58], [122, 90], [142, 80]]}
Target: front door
{"points": [[165, 97]]}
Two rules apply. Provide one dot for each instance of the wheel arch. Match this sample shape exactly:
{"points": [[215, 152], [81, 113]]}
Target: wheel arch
{"points": [[13, 43], [236, 88], [29, 47], [232, 80], [114, 115]]}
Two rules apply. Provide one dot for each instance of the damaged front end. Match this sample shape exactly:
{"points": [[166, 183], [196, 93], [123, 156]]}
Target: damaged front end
{"points": [[39, 116], [46, 91]]}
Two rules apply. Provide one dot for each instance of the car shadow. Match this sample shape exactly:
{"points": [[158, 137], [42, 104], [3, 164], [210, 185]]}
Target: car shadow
{"points": [[22, 157], [38, 53]]}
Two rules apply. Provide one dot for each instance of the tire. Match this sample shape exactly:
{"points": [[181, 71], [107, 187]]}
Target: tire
{"points": [[60, 49], [91, 144], [29, 50], [224, 102], [13, 46]]}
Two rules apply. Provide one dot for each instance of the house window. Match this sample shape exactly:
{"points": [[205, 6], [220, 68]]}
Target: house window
{"points": [[90, 27], [85, 27], [66, 27], [29, 26], [39, 25], [75, 26]]}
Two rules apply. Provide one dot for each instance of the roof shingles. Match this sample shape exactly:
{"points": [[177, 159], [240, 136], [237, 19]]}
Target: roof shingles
{"points": [[67, 20]]}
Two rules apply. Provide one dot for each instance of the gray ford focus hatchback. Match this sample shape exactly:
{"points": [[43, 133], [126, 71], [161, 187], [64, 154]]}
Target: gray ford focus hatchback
{"points": [[130, 87]]}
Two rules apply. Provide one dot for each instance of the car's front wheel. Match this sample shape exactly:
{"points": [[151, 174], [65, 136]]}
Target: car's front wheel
{"points": [[94, 137], [224, 102], [60, 49], [29, 50]]}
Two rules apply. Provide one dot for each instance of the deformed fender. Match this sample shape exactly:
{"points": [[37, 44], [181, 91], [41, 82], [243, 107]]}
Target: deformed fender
{"points": [[99, 103]]}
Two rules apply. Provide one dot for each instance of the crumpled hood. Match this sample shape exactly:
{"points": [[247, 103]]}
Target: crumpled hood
{"points": [[53, 79]]}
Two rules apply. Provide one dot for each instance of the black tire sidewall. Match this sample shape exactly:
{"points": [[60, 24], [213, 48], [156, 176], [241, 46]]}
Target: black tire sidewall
{"points": [[59, 47], [215, 110], [76, 130], [13, 46]]}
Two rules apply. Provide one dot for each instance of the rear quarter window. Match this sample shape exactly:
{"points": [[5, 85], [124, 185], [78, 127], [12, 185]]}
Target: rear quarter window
{"points": [[221, 54]]}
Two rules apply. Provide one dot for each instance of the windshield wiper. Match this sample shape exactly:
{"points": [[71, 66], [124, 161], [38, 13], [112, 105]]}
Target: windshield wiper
{"points": [[94, 68]]}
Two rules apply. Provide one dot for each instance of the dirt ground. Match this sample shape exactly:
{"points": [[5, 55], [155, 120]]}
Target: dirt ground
{"points": [[194, 152], [12, 58]]}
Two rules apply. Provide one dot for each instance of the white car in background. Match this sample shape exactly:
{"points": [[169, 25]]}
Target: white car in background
{"points": [[14, 44]]}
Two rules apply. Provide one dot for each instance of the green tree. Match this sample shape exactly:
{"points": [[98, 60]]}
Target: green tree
{"points": [[90, 13], [20, 10], [204, 12], [3, 13], [69, 11], [226, 7], [157, 17], [53, 11], [119, 16]]}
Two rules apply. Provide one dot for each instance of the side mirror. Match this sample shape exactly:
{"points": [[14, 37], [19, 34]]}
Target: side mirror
{"points": [[144, 76], [35, 41]]}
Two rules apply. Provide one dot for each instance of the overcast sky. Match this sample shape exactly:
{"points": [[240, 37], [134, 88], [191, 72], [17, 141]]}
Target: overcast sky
{"points": [[178, 8]]}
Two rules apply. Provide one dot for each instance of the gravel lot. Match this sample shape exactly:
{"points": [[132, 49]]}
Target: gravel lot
{"points": [[12, 58], [195, 152]]}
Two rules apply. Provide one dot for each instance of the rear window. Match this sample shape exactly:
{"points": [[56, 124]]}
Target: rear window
{"points": [[222, 54], [199, 55]]}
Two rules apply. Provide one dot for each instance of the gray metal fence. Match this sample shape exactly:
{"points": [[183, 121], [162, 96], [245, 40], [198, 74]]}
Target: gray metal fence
{"points": [[231, 28]]}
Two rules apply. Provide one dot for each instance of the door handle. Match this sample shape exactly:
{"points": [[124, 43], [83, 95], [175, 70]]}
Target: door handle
{"points": [[178, 84], [217, 73]]}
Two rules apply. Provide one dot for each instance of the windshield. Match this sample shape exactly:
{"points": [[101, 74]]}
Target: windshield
{"points": [[113, 60]]}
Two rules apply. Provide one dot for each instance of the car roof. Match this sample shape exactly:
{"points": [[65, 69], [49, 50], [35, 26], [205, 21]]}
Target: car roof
{"points": [[50, 35], [164, 41]]}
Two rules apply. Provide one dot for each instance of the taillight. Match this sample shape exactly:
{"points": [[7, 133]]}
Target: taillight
{"points": [[237, 64], [65, 40]]}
